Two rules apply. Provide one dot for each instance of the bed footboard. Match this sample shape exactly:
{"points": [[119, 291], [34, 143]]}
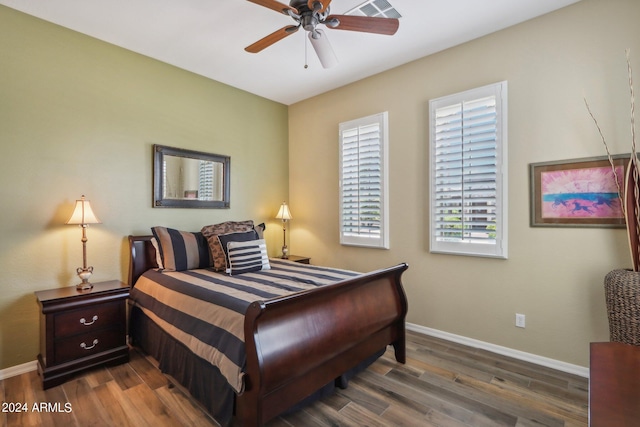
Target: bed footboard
{"points": [[298, 343]]}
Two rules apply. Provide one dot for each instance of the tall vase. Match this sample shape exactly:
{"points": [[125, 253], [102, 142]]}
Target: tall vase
{"points": [[622, 293]]}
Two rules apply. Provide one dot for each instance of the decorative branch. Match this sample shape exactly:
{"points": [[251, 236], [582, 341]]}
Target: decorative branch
{"points": [[610, 157], [634, 164], [633, 103], [631, 211]]}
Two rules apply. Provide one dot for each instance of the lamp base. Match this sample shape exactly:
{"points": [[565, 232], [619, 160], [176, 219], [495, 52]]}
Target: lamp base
{"points": [[84, 274], [84, 286], [285, 252]]}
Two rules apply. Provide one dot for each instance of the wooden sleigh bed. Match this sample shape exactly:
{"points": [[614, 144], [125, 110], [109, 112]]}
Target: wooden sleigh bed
{"points": [[295, 345]]}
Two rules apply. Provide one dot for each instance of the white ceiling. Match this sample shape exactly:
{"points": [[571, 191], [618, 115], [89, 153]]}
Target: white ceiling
{"points": [[208, 37]]}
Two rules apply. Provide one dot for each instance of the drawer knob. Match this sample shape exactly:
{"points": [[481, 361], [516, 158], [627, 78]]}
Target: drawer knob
{"points": [[95, 343], [93, 320]]}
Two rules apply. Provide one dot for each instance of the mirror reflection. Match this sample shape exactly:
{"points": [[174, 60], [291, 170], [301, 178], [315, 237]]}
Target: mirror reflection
{"points": [[186, 178], [191, 179]]}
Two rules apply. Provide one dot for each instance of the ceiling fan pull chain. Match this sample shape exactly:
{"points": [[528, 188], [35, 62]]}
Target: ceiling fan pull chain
{"points": [[306, 65]]}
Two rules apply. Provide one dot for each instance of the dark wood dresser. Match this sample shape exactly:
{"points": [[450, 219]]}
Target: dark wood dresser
{"points": [[80, 330], [614, 385]]}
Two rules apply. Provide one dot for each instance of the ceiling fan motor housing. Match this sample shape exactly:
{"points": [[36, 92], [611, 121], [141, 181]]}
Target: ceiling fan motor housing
{"points": [[308, 22], [307, 17], [301, 5]]}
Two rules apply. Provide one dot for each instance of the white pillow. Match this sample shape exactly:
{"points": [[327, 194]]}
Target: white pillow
{"points": [[249, 256]]}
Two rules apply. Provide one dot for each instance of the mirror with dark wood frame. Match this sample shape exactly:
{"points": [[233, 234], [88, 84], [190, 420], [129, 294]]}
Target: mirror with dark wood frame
{"points": [[190, 179]]}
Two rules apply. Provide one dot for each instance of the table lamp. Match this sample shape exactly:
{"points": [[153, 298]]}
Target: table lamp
{"points": [[83, 216], [285, 215]]}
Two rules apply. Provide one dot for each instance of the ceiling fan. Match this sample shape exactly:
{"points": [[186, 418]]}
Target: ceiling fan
{"points": [[310, 13]]}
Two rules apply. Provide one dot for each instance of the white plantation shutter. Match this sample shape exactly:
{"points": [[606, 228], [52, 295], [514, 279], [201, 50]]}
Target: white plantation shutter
{"points": [[363, 182], [468, 166]]}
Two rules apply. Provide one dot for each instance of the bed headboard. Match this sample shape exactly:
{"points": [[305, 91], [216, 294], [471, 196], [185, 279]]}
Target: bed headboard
{"points": [[142, 257]]}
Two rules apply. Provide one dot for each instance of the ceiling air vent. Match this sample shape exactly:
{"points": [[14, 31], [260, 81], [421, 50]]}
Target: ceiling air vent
{"points": [[377, 8]]}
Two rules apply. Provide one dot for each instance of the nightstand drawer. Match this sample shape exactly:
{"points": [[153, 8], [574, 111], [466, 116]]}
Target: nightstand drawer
{"points": [[87, 319], [87, 344], [300, 259], [81, 330]]}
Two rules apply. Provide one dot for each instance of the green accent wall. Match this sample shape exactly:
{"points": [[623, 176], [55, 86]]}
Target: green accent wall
{"points": [[80, 116]]}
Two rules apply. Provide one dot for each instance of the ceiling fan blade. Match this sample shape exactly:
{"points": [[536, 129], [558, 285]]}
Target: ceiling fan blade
{"points": [[272, 38], [275, 5], [324, 3], [366, 24]]}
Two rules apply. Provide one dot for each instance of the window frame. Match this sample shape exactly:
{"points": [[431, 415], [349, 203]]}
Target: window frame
{"points": [[348, 239], [464, 247]]}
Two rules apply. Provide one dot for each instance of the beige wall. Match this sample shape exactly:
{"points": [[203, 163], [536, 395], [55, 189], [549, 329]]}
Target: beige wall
{"points": [[78, 116], [553, 275]]}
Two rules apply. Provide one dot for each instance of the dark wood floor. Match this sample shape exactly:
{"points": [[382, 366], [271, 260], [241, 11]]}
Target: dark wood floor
{"points": [[442, 384]]}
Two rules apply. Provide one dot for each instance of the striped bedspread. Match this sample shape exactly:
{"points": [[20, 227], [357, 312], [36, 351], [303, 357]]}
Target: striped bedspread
{"points": [[204, 309]]}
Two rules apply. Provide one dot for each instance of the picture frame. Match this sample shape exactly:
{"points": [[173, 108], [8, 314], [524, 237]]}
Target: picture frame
{"points": [[209, 173], [577, 192]]}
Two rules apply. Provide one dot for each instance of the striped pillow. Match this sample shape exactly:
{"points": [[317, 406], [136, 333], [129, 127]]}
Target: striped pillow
{"points": [[211, 232], [182, 250], [224, 239], [245, 257]]}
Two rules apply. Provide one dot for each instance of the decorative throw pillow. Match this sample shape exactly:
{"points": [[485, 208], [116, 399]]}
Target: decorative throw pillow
{"points": [[224, 240], [245, 257], [211, 232], [182, 250]]}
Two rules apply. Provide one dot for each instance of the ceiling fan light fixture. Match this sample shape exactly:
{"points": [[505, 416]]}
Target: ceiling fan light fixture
{"points": [[323, 49]]}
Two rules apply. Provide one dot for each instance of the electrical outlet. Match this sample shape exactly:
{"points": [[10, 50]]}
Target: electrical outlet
{"points": [[520, 320]]}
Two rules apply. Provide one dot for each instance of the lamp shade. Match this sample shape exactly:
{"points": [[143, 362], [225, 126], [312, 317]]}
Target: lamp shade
{"points": [[323, 49], [284, 213], [83, 214]]}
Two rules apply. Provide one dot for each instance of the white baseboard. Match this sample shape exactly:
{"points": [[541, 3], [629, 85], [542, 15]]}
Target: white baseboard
{"points": [[505, 351], [18, 369]]}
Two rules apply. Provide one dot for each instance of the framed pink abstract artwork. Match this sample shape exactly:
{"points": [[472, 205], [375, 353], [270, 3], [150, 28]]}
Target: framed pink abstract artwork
{"points": [[578, 193]]}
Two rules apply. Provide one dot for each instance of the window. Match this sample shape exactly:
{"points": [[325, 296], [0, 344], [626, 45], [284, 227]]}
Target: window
{"points": [[468, 148], [364, 203]]}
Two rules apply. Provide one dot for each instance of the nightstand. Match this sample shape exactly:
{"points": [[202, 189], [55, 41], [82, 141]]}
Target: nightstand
{"points": [[300, 259], [80, 330]]}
